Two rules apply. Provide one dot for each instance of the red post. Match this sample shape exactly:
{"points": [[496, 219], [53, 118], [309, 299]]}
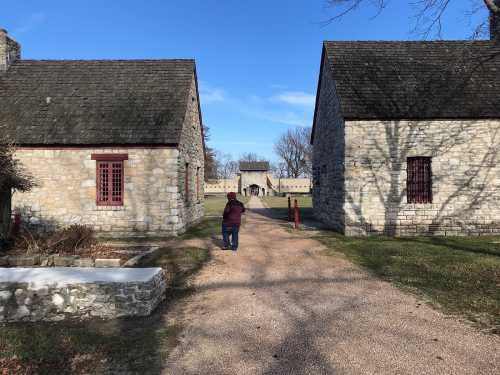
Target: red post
{"points": [[296, 214], [289, 210]]}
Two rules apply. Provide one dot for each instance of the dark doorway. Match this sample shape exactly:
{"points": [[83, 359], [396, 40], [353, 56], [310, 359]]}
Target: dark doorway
{"points": [[254, 190]]}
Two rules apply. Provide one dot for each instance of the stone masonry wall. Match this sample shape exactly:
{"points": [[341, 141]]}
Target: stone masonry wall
{"points": [[222, 186], [465, 177], [249, 178], [191, 207], [291, 185], [67, 191], [24, 301], [328, 156]]}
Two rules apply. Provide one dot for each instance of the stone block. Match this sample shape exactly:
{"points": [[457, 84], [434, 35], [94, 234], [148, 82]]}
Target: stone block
{"points": [[84, 262], [5, 295], [46, 260], [104, 263], [24, 261], [64, 261], [21, 312]]}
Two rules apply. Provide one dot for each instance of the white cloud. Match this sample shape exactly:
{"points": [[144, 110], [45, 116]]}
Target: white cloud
{"points": [[278, 86], [210, 94], [30, 23], [295, 98], [278, 117]]}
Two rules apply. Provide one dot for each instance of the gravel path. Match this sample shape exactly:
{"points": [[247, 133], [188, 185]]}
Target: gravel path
{"points": [[278, 306]]}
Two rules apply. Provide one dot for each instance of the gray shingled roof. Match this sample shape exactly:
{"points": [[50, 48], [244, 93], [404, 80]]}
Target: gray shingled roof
{"points": [[414, 80], [95, 102], [254, 166]]}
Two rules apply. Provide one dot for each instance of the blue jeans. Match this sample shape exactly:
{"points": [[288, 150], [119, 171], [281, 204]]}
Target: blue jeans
{"points": [[232, 231]]}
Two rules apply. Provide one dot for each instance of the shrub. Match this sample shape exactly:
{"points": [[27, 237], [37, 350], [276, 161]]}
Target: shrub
{"points": [[68, 240]]}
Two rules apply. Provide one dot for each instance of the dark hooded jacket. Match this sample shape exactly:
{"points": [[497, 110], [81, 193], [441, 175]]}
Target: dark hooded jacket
{"points": [[232, 213]]}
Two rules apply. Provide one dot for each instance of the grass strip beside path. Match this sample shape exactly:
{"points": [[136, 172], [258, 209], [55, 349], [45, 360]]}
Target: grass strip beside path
{"points": [[279, 206], [132, 345], [460, 275], [214, 204]]}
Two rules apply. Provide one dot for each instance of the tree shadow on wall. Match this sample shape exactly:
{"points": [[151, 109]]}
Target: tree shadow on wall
{"points": [[409, 94]]}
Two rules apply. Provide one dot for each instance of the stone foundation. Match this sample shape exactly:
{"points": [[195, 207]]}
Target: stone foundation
{"points": [[41, 294]]}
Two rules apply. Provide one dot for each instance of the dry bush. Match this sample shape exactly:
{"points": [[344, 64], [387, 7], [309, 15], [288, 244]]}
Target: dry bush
{"points": [[70, 240]]}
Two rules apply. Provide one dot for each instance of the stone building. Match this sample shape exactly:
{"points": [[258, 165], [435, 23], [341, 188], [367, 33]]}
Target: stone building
{"points": [[255, 179], [114, 144], [406, 137]]}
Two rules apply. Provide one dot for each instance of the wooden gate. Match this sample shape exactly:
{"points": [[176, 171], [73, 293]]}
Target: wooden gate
{"points": [[5, 213]]}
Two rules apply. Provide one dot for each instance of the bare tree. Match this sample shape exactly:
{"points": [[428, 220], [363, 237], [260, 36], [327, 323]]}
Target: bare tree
{"points": [[210, 156], [429, 14], [251, 157], [295, 152], [12, 173], [279, 169], [12, 177], [226, 167]]}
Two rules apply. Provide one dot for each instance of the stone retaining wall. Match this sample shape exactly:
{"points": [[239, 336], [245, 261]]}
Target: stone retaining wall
{"points": [[35, 294], [57, 261]]}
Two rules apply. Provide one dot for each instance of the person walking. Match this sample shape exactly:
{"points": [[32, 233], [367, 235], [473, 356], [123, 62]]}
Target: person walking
{"points": [[231, 221]]}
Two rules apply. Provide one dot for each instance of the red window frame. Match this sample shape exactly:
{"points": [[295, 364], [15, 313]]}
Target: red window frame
{"points": [[186, 183], [109, 179], [198, 183], [419, 180]]}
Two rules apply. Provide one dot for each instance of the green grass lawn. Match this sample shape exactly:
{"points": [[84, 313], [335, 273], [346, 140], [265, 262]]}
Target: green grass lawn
{"points": [[214, 204], [459, 275], [133, 345], [279, 206]]}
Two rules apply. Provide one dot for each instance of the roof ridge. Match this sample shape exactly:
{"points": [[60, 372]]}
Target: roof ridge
{"points": [[104, 60], [454, 41], [415, 79]]}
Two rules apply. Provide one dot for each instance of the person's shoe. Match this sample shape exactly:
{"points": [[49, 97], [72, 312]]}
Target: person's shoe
{"points": [[225, 248]]}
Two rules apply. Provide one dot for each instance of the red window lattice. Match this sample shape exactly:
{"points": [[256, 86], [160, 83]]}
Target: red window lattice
{"points": [[198, 183], [109, 179], [186, 182], [419, 180]]}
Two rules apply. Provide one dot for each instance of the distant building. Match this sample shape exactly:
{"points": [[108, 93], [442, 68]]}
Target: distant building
{"points": [[255, 179], [113, 144], [406, 137]]}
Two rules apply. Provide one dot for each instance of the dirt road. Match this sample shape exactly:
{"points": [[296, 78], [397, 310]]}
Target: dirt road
{"points": [[278, 306]]}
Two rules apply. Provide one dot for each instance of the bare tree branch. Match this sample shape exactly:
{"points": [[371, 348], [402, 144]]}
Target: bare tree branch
{"points": [[295, 152], [428, 16]]}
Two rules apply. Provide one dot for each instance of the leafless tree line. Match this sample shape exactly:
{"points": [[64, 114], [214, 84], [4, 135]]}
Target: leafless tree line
{"points": [[429, 14], [294, 152]]}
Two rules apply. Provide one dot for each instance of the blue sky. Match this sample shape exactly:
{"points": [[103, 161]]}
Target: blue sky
{"points": [[257, 60]]}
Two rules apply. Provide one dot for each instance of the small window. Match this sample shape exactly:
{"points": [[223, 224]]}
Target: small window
{"points": [[110, 183], [109, 179], [198, 185], [186, 182], [419, 180]]}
